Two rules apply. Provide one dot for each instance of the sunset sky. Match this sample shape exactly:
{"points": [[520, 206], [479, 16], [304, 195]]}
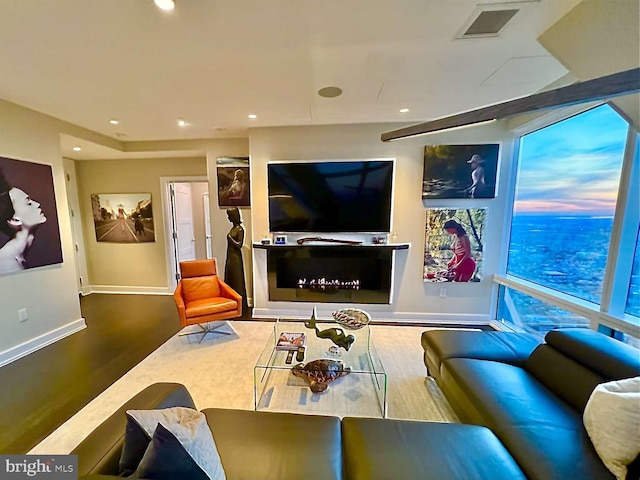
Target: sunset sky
{"points": [[573, 167]]}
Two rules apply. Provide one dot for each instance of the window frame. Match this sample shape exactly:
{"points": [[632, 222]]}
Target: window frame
{"points": [[610, 312]]}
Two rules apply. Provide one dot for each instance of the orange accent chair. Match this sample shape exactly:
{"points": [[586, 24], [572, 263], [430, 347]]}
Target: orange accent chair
{"points": [[202, 297]]}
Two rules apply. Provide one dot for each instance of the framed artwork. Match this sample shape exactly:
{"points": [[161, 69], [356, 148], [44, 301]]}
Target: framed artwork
{"points": [[123, 217], [29, 228], [233, 182], [454, 244], [460, 171]]}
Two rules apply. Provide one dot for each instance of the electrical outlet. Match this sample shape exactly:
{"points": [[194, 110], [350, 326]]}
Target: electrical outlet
{"points": [[22, 315], [443, 292]]}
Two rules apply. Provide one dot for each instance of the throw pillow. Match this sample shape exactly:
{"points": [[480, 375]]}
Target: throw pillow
{"points": [[135, 444], [167, 459], [190, 428], [612, 420]]}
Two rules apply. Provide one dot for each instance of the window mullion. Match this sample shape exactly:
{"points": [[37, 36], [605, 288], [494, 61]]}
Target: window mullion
{"points": [[624, 233]]}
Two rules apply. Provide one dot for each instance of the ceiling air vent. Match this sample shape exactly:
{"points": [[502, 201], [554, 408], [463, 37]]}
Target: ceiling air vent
{"points": [[488, 23]]}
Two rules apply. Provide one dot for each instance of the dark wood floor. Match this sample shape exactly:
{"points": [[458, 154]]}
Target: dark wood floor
{"points": [[44, 389]]}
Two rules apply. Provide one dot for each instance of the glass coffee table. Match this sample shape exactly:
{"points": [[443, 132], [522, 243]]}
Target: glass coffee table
{"points": [[362, 393]]}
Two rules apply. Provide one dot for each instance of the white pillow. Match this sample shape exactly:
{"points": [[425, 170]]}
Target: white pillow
{"points": [[612, 420], [191, 429]]}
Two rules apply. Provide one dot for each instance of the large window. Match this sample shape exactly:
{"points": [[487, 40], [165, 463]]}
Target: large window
{"points": [[535, 316], [565, 199]]}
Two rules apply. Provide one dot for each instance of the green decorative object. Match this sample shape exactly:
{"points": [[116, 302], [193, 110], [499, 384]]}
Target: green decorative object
{"points": [[336, 335]]}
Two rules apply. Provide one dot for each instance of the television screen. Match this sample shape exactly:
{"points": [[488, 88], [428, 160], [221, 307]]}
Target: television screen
{"points": [[332, 196]]}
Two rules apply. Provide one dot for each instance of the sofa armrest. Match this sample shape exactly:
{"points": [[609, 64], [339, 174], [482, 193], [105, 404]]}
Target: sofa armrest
{"points": [[99, 453]]}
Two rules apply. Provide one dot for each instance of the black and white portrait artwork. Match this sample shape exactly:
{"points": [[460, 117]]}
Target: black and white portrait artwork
{"points": [[29, 229]]}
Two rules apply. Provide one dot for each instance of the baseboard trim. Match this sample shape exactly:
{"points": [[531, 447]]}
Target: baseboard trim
{"points": [[405, 317], [128, 290], [14, 353]]}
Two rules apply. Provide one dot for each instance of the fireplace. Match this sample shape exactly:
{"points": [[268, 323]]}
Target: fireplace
{"points": [[329, 274]]}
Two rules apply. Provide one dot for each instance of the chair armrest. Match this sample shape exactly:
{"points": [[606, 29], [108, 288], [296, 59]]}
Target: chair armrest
{"points": [[228, 292], [182, 311]]}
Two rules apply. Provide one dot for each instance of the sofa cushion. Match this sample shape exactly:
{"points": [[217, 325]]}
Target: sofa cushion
{"points": [[210, 306], [612, 420], [543, 433], [610, 358], [570, 380], [505, 347], [276, 446], [382, 449]]}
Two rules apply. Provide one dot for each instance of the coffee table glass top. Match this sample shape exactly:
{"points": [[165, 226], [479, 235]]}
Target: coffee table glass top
{"points": [[360, 393]]}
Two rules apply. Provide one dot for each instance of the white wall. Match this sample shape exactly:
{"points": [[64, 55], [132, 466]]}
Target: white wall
{"points": [[128, 267], [597, 38], [48, 293], [413, 299]]}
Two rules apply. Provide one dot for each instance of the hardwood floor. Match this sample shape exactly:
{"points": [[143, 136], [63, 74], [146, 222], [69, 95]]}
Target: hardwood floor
{"points": [[44, 389]]}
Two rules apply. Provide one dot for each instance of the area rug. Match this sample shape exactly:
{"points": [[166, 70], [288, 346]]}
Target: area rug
{"points": [[219, 373]]}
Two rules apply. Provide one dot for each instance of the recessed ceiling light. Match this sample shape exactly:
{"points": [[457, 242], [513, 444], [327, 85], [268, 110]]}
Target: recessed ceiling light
{"points": [[404, 110], [181, 122], [165, 4], [113, 121], [252, 116], [77, 149], [330, 92]]}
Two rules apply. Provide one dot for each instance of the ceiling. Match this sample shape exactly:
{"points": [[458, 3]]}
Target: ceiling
{"points": [[214, 62]]}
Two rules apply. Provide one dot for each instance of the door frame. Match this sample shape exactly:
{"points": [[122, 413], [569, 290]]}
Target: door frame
{"points": [[77, 233], [170, 257]]}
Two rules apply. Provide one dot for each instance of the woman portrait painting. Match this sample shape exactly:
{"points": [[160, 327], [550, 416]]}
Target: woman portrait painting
{"points": [[453, 247], [233, 186], [29, 234]]}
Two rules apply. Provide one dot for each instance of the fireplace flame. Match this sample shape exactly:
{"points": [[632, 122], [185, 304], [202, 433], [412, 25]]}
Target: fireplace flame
{"points": [[323, 283]]}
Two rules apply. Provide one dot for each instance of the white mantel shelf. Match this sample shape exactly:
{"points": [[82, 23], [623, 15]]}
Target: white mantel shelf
{"points": [[391, 246]]}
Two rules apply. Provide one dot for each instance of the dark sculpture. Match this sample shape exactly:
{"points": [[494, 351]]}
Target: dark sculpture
{"points": [[320, 373], [336, 335], [234, 267]]}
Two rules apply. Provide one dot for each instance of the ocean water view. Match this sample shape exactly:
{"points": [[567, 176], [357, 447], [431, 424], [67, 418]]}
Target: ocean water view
{"points": [[565, 253]]}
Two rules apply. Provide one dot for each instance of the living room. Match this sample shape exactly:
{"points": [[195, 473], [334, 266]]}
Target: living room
{"points": [[586, 47]]}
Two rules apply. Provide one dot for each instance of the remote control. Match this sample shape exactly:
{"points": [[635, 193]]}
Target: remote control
{"points": [[300, 354], [289, 357]]}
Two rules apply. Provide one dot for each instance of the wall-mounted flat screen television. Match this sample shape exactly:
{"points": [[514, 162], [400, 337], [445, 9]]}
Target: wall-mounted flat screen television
{"points": [[330, 196]]}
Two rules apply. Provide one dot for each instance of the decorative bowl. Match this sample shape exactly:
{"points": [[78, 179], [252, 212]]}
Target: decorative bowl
{"points": [[351, 318]]}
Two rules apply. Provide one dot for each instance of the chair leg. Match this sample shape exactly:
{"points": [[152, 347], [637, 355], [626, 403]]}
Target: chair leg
{"points": [[208, 328]]}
